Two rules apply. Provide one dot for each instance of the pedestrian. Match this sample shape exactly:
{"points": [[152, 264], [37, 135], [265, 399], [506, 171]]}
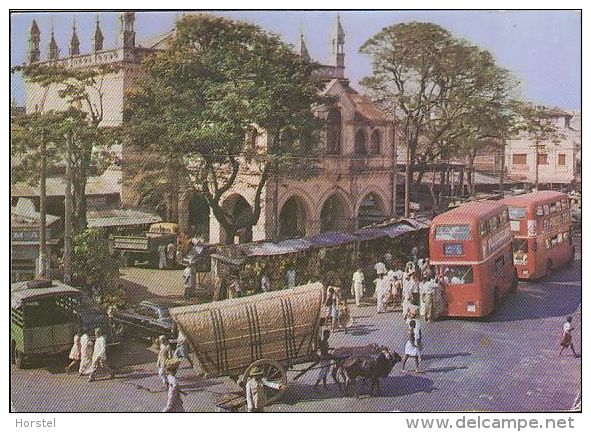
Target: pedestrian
{"points": [[99, 355], [235, 288], [357, 285], [382, 287], [190, 280], [388, 258], [426, 288], [291, 277], [161, 256], [412, 348], [380, 268], [334, 312], [164, 354], [256, 399], [323, 352], [265, 283], [566, 340], [182, 348], [74, 352], [174, 402], [86, 350], [170, 253]]}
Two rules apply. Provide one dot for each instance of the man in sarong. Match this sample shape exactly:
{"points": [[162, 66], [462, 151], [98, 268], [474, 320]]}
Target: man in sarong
{"points": [[86, 350], [357, 286], [99, 355]]}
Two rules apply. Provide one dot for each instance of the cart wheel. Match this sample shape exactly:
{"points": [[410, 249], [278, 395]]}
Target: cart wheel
{"points": [[273, 372]]}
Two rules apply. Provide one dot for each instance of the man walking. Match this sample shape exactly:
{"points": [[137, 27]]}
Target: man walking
{"points": [[99, 355], [567, 339], [357, 286], [174, 402], [325, 359], [182, 348], [164, 356], [256, 399]]}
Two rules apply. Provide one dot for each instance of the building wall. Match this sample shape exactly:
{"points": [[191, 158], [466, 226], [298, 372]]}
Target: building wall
{"points": [[552, 171]]}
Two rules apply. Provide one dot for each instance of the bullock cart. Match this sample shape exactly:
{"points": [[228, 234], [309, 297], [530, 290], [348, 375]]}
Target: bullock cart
{"points": [[270, 332]]}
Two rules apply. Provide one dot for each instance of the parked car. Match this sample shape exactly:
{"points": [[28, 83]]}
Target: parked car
{"points": [[147, 320], [44, 317]]}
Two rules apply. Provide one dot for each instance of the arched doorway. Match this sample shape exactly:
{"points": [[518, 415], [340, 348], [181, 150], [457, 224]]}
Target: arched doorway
{"points": [[240, 213], [198, 223], [371, 210], [333, 216], [292, 219]]}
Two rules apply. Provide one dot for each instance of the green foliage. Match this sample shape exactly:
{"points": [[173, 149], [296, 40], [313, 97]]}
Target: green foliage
{"points": [[82, 90], [447, 93], [93, 266], [200, 98]]}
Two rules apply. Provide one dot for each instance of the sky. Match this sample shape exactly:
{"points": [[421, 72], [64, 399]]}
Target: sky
{"points": [[542, 48]]}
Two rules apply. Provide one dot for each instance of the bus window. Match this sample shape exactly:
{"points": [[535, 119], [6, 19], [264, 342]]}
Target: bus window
{"points": [[553, 207], [504, 218], [493, 224], [483, 229], [520, 250], [452, 232], [516, 213], [546, 209], [453, 249], [457, 274]]}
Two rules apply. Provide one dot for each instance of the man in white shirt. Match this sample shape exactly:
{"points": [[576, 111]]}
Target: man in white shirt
{"points": [[99, 355], [567, 341], [256, 399], [357, 286]]}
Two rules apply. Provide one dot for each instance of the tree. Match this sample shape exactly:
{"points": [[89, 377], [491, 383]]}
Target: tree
{"points": [[433, 83], [218, 82], [93, 267], [83, 93], [36, 142]]}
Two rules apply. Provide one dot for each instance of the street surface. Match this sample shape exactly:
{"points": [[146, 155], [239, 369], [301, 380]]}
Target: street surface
{"points": [[507, 362]]}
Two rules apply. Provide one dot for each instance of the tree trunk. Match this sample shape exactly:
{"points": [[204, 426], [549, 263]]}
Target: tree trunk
{"points": [[408, 179], [68, 247], [42, 271]]}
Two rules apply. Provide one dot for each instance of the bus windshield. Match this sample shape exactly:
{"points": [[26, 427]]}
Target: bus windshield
{"points": [[516, 213], [457, 274], [452, 232]]}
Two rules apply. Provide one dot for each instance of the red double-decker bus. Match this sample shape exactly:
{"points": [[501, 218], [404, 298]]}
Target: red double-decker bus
{"points": [[471, 249], [542, 229]]}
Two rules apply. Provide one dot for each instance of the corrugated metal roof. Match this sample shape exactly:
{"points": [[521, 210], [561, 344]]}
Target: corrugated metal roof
{"points": [[120, 217], [19, 292]]}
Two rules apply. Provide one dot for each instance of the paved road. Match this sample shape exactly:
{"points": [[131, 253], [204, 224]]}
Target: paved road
{"points": [[508, 362]]}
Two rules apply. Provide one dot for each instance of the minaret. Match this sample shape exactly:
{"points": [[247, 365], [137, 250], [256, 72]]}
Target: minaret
{"points": [[34, 40], [127, 32], [74, 41], [98, 36], [54, 51], [303, 49], [338, 44]]}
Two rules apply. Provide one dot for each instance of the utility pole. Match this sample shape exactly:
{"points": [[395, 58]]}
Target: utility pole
{"points": [[42, 269], [502, 173], [68, 248]]}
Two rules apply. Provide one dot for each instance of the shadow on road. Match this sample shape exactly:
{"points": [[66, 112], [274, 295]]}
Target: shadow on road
{"points": [[534, 300], [361, 329], [444, 356]]}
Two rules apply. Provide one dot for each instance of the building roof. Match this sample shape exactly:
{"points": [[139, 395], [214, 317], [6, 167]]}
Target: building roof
{"points": [[24, 214], [120, 218], [108, 183], [365, 107]]}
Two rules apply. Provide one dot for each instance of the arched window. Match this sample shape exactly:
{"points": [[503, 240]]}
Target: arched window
{"points": [[360, 148], [376, 142], [333, 131]]}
